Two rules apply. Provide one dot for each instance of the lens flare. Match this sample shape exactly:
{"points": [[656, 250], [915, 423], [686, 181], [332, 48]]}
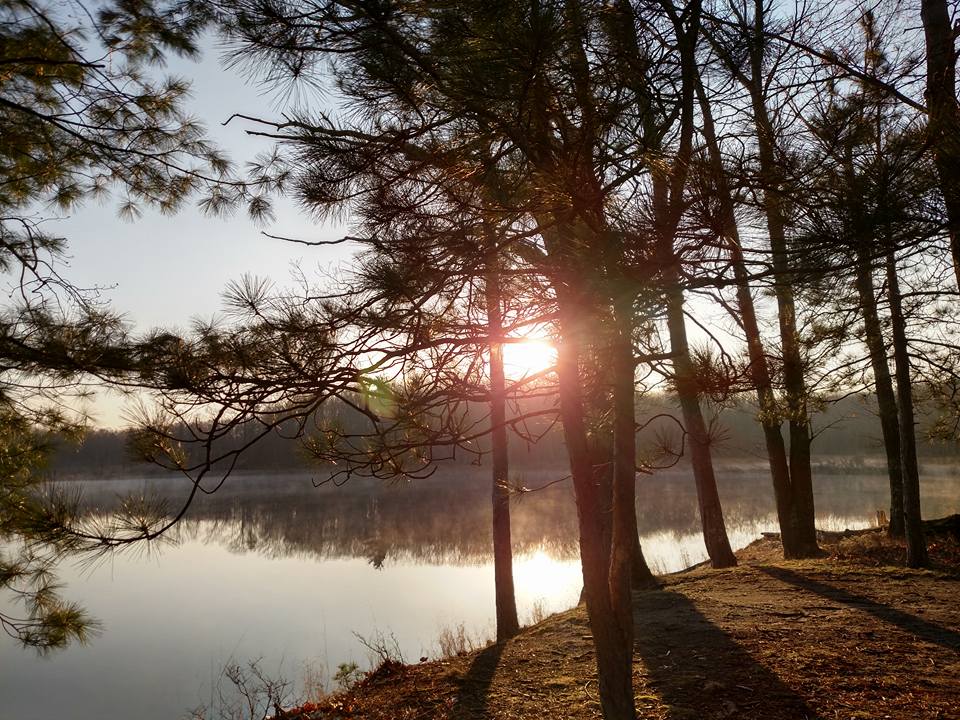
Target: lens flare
{"points": [[528, 357]]}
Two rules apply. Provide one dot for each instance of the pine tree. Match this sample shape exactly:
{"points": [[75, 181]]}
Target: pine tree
{"points": [[82, 114]]}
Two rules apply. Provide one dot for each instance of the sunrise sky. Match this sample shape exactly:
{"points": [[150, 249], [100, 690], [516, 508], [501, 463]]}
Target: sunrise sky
{"points": [[162, 271]]}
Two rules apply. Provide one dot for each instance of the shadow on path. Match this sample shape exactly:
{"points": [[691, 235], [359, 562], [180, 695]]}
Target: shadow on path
{"points": [[700, 671], [472, 698], [923, 629]]}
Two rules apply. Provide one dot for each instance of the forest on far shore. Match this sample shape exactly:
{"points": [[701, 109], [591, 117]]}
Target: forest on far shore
{"points": [[847, 432]]}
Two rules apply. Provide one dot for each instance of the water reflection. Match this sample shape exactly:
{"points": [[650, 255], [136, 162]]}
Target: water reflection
{"points": [[272, 567], [445, 520]]}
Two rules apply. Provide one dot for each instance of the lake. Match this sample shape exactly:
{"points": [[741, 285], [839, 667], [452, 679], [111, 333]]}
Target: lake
{"points": [[272, 568]]}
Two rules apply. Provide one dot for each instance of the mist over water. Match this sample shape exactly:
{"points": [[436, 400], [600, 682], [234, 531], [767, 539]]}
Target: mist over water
{"points": [[274, 568]]}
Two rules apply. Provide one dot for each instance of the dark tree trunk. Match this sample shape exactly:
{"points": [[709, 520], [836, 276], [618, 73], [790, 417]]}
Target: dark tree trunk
{"points": [[913, 524], [943, 128], [708, 498], [602, 449], [624, 535], [601, 452], [640, 576], [613, 645], [507, 623], [886, 398], [612, 641], [801, 477], [601, 455], [611, 459], [759, 368], [790, 536]]}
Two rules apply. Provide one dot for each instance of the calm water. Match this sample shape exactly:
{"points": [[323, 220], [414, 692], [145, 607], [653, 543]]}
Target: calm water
{"points": [[274, 568]]}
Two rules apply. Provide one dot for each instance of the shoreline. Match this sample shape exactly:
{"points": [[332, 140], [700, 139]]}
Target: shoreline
{"points": [[851, 635]]}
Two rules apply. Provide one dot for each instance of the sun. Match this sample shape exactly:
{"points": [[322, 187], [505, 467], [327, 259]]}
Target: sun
{"points": [[528, 357]]}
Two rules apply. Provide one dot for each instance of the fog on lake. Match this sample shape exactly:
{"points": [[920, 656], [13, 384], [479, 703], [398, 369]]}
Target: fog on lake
{"points": [[274, 568]]}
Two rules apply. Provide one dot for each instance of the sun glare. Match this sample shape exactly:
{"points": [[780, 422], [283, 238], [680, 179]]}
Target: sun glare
{"points": [[528, 357], [548, 581]]}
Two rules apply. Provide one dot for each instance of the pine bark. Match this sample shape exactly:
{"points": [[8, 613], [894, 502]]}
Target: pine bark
{"points": [[913, 523], [876, 345], [708, 498], [943, 125], [606, 610], [759, 369], [624, 534], [612, 639], [508, 624], [883, 383], [668, 190], [801, 476]]}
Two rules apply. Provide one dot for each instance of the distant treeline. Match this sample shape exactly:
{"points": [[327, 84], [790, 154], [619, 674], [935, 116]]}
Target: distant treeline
{"points": [[846, 427]]}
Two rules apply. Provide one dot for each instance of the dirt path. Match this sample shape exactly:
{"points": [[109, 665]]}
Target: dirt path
{"points": [[770, 640], [795, 641]]}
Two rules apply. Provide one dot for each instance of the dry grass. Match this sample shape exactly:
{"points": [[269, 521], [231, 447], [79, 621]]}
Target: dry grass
{"points": [[854, 635], [537, 614], [314, 681], [455, 641]]}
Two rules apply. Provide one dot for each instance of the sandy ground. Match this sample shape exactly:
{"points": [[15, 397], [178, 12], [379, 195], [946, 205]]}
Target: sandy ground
{"points": [[850, 636]]}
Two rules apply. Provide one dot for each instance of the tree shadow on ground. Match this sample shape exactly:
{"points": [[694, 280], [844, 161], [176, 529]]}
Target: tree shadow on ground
{"points": [[472, 698], [699, 671], [923, 629]]}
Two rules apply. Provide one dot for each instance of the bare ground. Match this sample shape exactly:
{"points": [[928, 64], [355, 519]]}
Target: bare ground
{"points": [[854, 635]]}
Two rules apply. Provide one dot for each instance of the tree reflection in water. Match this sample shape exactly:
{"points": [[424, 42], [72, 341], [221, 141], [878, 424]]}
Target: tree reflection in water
{"points": [[446, 519]]}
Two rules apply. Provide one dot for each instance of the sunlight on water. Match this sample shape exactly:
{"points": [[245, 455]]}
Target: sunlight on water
{"points": [[668, 552], [173, 620], [290, 575], [539, 578]]}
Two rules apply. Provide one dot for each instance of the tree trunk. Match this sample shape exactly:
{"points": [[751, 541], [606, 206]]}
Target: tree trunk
{"points": [[790, 536], [600, 445], [801, 476], [624, 536], [759, 368], [640, 576], [708, 498], [601, 452], [913, 524], [886, 398], [612, 640], [943, 125], [507, 623]]}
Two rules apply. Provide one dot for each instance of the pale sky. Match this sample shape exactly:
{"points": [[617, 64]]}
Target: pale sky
{"points": [[162, 271], [169, 269]]}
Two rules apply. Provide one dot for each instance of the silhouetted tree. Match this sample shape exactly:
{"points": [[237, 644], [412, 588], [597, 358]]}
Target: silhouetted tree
{"points": [[943, 110], [873, 204], [747, 53], [80, 116], [445, 79]]}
